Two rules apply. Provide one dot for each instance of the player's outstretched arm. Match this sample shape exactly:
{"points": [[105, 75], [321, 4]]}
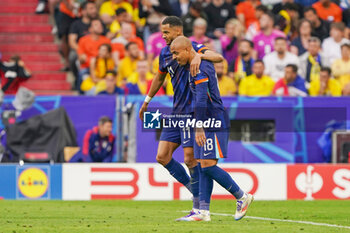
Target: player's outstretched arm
{"points": [[207, 55], [157, 82]]}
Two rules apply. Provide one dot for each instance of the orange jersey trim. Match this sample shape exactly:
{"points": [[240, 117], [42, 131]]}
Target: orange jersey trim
{"points": [[202, 49], [161, 72], [201, 81], [219, 148]]}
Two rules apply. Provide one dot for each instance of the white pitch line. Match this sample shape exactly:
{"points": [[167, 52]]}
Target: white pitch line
{"points": [[285, 220]]}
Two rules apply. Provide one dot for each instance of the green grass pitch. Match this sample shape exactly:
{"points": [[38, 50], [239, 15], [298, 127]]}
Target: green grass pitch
{"points": [[159, 216]]}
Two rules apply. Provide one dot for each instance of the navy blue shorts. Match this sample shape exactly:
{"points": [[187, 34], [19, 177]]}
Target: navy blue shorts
{"points": [[215, 146], [183, 136]]}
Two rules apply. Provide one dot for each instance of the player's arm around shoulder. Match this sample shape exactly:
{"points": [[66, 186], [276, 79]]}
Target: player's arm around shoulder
{"points": [[205, 54], [212, 56]]}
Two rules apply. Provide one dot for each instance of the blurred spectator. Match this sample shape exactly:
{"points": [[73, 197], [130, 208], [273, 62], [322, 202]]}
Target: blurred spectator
{"points": [[311, 62], [254, 28], [341, 67], [325, 85], [12, 74], [51, 7], [128, 64], [98, 68], [242, 66], [127, 35], [234, 31], [245, 12], [88, 46], [98, 145], [227, 86], [80, 27], [286, 19], [256, 84], [103, 62], [140, 81], [155, 44], [331, 45], [121, 17], [199, 30], [328, 10], [300, 44], [108, 10], [218, 12], [180, 7], [264, 40], [280, 6], [320, 27], [110, 87], [276, 61], [291, 84], [69, 11], [195, 12], [77, 30], [154, 11]]}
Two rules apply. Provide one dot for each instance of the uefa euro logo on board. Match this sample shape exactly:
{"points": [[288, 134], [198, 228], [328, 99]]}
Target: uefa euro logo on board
{"points": [[151, 120]]}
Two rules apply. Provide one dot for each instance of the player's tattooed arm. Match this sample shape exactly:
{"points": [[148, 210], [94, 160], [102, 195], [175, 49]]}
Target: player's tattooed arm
{"points": [[207, 55], [157, 82]]}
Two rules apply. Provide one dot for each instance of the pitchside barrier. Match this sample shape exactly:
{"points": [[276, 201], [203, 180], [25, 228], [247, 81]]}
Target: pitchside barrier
{"points": [[150, 181], [263, 130]]}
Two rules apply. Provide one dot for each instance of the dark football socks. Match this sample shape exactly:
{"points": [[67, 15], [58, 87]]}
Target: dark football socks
{"points": [[195, 173], [179, 173], [224, 179]]}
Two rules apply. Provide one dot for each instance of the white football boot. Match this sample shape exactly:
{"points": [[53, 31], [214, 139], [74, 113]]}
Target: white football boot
{"points": [[242, 206]]}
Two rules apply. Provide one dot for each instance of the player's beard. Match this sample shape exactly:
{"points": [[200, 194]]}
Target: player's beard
{"points": [[169, 41], [244, 54], [281, 52]]}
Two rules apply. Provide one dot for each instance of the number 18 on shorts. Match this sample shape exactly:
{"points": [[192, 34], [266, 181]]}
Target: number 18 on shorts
{"points": [[215, 146]]}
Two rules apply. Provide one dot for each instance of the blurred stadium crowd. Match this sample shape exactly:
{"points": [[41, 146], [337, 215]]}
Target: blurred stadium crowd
{"points": [[271, 47]]}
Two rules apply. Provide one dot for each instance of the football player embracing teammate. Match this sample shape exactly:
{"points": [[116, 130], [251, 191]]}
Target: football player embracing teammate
{"points": [[211, 143], [172, 138]]}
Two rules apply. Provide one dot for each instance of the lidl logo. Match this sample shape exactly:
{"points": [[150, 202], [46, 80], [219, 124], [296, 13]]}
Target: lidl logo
{"points": [[33, 182], [151, 120]]}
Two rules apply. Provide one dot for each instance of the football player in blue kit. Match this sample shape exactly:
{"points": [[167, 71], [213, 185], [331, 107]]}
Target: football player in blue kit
{"points": [[172, 138], [211, 142]]}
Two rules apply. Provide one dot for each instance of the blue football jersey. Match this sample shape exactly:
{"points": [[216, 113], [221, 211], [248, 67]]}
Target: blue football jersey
{"points": [[183, 97], [208, 103]]}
